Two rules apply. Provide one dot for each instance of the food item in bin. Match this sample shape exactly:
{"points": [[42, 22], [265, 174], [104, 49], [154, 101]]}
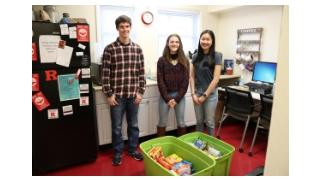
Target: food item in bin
{"points": [[182, 168], [164, 163], [214, 152], [172, 159], [200, 144], [156, 152]]}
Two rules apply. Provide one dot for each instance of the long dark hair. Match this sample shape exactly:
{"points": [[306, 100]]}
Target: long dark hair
{"points": [[182, 59], [211, 50]]}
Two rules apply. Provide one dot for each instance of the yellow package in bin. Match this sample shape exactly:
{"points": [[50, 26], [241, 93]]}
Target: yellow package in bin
{"points": [[156, 152], [172, 159]]}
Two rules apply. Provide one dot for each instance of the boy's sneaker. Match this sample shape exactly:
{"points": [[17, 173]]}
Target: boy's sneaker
{"points": [[136, 155], [116, 160]]}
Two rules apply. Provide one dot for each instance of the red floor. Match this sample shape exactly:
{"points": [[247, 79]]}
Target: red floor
{"points": [[231, 133]]}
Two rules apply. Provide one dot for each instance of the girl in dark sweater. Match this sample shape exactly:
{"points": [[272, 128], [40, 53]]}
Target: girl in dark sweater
{"points": [[173, 80]]}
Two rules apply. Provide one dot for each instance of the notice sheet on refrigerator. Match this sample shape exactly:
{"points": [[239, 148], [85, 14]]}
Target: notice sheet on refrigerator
{"points": [[68, 87]]}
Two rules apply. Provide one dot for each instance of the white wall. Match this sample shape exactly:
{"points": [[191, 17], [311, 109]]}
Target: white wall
{"points": [[267, 17], [146, 35], [277, 159]]}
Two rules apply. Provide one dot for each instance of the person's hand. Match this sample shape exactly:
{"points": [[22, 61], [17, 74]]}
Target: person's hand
{"points": [[172, 103], [195, 99], [138, 99], [112, 100], [201, 99]]}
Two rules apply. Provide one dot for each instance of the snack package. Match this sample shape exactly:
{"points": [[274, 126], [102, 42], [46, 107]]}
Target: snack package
{"points": [[163, 163], [214, 152], [200, 144], [182, 168], [172, 159], [156, 152]]}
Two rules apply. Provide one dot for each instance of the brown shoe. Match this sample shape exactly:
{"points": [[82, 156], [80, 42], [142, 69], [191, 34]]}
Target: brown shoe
{"points": [[161, 131], [182, 131]]}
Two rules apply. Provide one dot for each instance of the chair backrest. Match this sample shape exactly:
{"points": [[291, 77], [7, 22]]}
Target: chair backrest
{"points": [[239, 101], [266, 106]]}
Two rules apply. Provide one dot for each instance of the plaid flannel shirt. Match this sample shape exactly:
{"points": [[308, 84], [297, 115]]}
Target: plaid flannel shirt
{"points": [[123, 70]]}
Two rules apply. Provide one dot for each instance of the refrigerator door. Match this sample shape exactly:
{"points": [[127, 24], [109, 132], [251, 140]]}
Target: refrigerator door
{"points": [[62, 138], [80, 47]]}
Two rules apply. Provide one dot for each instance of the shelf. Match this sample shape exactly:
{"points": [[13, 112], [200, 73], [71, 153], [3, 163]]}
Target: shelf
{"points": [[250, 30], [248, 51], [249, 42]]}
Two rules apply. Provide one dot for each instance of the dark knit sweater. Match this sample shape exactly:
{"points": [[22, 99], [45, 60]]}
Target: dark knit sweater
{"points": [[172, 78]]}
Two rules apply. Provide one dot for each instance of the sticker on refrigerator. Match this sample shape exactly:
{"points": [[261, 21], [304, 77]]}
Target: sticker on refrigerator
{"points": [[64, 29], [35, 82], [83, 33], [40, 101], [67, 110], [53, 114], [81, 46], [79, 53], [68, 87], [62, 43], [34, 52], [84, 101], [85, 72], [73, 32], [84, 88]]}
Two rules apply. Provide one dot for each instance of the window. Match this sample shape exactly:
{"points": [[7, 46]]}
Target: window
{"points": [[185, 24], [107, 32]]}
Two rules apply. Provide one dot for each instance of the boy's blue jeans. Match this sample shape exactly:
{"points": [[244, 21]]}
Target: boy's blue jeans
{"points": [[125, 105]]}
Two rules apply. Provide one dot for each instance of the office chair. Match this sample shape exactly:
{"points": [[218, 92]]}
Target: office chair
{"points": [[239, 105], [263, 121]]}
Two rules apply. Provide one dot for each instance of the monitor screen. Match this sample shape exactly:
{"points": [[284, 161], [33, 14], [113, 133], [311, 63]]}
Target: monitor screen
{"points": [[264, 72]]}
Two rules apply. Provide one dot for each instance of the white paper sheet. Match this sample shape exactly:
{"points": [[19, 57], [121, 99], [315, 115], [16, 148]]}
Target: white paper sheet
{"points": [[73, 32], [64, 29], [64, 56], [81, 46], [48, 45]]}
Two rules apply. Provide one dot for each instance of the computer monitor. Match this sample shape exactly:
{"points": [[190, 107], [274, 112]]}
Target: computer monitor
{"points": [[264, 72]]}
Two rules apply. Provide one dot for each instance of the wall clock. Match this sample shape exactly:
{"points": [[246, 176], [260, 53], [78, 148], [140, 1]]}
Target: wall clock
{"points": [[147, 17]]}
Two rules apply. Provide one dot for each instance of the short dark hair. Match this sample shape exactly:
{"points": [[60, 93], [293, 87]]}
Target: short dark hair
{"points": [[122, 19]]}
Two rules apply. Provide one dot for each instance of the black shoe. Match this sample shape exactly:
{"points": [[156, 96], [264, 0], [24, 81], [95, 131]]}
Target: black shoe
{"points": [[116, 160], [136, 155]]}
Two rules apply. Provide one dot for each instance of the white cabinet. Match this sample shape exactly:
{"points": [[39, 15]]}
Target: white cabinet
{"points": [[143, 117], [148, 115], [103, 123], [189, 115]]}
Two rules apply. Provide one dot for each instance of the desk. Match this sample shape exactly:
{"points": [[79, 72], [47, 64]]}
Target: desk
{"points": [[255, 95], [220, 105]]}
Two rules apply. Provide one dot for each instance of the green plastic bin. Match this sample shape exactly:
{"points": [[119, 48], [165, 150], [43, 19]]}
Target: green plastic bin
{"points": [[202, 164], [222, 166]]}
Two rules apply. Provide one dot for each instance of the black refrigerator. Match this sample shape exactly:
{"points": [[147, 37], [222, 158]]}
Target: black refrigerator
{"points": [[63, 120]]}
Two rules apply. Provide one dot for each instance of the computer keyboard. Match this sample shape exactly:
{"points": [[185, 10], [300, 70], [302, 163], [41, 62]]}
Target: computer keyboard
{"points": [[253, 85]]}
